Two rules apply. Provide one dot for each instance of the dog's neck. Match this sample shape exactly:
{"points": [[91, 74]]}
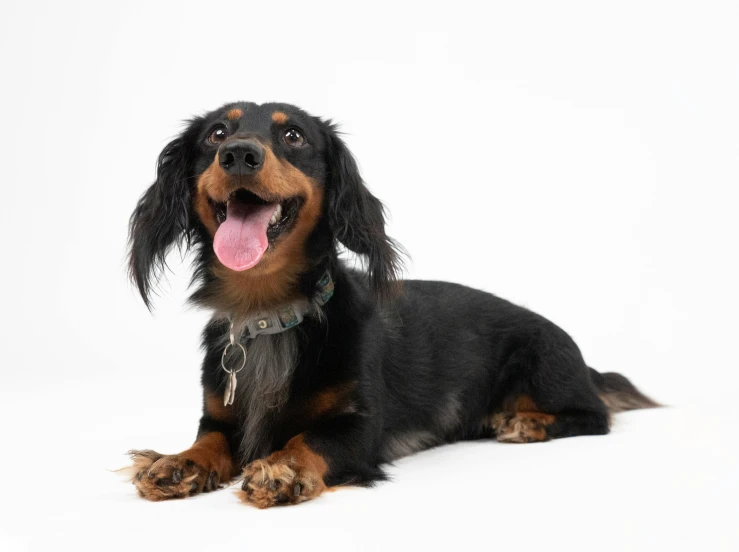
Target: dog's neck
{"points": [[241, 295], [285, 316]]}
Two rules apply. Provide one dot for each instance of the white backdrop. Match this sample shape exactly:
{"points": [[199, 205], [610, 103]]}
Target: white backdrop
{"points": [[579, 158]]}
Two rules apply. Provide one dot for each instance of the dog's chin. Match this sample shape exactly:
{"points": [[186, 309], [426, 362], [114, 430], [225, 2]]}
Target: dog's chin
{"points": [[248, 225]]}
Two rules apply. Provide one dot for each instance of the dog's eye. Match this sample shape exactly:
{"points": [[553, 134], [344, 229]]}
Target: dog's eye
{"points": [[294, 138], [218, 135]]}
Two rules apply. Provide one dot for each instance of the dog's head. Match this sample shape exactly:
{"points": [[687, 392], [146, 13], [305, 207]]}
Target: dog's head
{"points": [[264, 192]]}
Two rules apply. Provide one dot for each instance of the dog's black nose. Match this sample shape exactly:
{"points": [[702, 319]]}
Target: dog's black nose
{"points": [[241, 156]]}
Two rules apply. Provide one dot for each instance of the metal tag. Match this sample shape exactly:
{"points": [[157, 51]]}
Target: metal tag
{"points": [[230, 394]]}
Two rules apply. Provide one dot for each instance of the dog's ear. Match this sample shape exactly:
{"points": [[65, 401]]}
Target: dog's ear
{"points": [[357, 219], [161, 218]]}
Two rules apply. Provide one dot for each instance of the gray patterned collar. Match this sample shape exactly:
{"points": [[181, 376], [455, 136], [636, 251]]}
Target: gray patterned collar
{"points": [[290, 315]]}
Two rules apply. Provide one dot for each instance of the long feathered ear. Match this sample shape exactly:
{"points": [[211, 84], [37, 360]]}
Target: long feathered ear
{"points": [[357, 219], [161, 218]]}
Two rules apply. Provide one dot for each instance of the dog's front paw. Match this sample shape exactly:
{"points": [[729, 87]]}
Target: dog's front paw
{"points": [[160, 477], [273, 482]]}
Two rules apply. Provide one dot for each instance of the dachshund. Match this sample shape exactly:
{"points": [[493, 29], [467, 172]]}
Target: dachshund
{"points": [[316, 374]]}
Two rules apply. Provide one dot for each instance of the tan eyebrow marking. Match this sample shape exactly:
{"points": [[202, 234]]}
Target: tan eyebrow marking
{"points": [[279, 117], [234, 114]]}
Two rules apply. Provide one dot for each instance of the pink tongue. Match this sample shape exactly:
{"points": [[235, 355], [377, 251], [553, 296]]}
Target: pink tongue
{"points": [[241, 239]]}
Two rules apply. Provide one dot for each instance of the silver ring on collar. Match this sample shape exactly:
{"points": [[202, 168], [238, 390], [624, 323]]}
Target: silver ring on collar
{"points": [[243, 358]]}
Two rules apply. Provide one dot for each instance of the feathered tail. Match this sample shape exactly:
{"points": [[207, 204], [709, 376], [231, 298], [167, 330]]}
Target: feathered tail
{"points": [[619, 393]]}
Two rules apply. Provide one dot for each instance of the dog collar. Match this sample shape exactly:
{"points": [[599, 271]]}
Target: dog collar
{"points": [[290, 315]]}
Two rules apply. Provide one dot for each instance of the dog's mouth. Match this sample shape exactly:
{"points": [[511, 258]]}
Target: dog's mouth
{"points": [[248, 224]]}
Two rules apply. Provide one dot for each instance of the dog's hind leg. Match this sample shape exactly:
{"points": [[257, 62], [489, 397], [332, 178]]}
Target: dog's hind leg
{"points": [[550, 392], [531, 425]]}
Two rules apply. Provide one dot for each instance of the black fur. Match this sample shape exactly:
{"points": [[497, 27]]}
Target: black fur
{"points": [[162, 217], [356, 218], [423, 364]]}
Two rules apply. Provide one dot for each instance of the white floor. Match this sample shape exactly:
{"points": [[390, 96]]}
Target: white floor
{"points": [[665, 479]]}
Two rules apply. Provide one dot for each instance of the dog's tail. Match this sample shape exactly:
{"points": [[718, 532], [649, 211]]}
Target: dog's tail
{"points": [[619, 393]]}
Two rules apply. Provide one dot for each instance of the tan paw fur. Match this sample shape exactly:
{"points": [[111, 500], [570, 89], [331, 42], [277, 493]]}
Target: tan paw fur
{"points": [[161, 477], [521, 427], [279, 481]]}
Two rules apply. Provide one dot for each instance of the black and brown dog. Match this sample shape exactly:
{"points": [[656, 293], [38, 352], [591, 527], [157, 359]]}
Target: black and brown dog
{"points": [[327, 372]]}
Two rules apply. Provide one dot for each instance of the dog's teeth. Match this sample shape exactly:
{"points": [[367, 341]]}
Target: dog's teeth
{"points": [[277, 215]]}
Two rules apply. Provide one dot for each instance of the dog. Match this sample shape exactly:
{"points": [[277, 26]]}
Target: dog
{"points": [[315, 374]]}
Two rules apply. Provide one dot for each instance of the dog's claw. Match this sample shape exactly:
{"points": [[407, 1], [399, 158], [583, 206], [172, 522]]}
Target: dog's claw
{"points": [[212, 482]]}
